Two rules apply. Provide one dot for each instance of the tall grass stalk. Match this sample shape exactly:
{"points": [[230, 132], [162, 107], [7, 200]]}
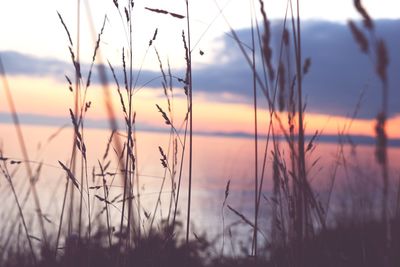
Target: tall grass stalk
{"points": [[181, 165], [190, 94], [254, 71], [130, 145]]}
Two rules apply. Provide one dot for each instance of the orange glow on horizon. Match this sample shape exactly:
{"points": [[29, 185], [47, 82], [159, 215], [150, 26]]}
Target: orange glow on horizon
{"points": [[47, 97]]}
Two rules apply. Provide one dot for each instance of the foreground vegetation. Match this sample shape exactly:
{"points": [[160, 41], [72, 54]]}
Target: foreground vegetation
{"points": [[300, 232]]}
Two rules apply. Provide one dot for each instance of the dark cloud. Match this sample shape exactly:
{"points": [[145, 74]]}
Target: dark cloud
{"points": [[16, 63], [338, 74], [339, 71], [22, 64]]}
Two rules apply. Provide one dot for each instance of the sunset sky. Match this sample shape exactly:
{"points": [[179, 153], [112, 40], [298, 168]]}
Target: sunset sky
{"points": [[34, 50]]}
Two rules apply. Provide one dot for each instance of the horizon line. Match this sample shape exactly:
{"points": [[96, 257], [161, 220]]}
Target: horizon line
{"points": [[102, 124]]}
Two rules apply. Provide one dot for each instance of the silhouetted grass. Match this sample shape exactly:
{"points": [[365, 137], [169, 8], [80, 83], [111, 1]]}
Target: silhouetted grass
{"points": [[299, 231]]}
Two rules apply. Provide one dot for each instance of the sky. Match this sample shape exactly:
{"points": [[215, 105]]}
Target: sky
{"points": [[34, 50]]}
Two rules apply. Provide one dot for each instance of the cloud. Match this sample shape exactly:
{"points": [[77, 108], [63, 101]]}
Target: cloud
{"points": [[339, 71], [22, 64], [17, 63], [338, 74]]}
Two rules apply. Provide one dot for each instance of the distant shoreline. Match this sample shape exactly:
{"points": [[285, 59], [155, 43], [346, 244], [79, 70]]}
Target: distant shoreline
{"points": [[51, 121]]}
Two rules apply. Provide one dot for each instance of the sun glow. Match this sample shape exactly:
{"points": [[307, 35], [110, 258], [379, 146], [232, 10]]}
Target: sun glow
{"points": [[48, 97]]}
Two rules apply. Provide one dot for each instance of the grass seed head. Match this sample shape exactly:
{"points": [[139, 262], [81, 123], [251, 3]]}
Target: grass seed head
{"points": [[359, 36]]}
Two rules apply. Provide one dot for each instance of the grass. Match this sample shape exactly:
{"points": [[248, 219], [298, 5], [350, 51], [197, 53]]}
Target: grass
{"points": [[299, 232]]}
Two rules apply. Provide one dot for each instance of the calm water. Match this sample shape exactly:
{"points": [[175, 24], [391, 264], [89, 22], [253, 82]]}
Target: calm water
{"points": [[216, 160]]}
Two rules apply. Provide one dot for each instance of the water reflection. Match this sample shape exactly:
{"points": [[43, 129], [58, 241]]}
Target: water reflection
{"points": [[338, 179]]}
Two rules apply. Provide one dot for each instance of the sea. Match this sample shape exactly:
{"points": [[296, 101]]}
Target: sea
{"points": [[346, 181]]}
